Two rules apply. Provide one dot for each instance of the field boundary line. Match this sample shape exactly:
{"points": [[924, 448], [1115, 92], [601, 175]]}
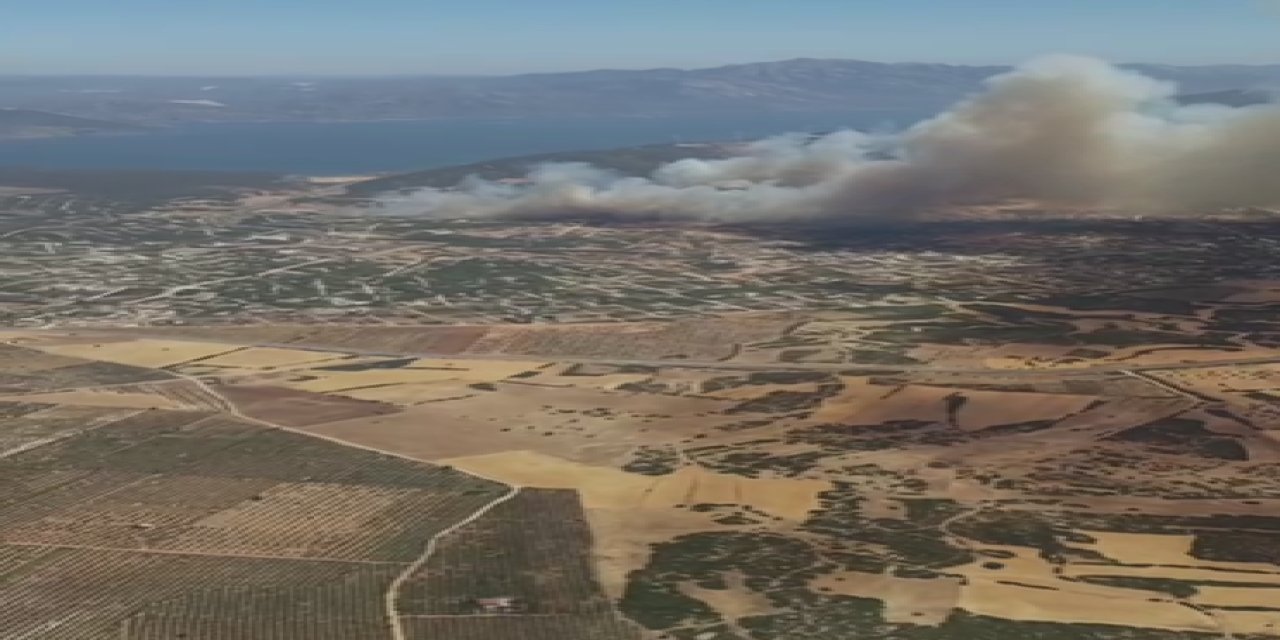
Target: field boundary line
{"points": [[1157, 382]]}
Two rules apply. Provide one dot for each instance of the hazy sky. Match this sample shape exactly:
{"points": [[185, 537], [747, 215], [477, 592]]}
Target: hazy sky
{"points": [[506, 36]]}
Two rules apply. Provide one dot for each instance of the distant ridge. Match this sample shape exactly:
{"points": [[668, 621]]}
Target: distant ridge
{"points": [[1230, 98], [800, 85]]}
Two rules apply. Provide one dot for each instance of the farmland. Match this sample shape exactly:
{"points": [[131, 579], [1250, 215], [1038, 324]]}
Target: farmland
{"points": [[264, 415], [533, 549], [171, 520], [681, 499], [267, 257]]}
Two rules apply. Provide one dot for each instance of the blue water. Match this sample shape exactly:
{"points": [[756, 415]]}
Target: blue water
{"points": [[372, 147]]}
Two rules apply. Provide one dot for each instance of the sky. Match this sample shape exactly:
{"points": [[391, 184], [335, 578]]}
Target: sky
{"points": [[265, 37]]}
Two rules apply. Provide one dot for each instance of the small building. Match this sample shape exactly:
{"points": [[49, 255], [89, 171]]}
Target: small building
{"points": [[503, 604]]}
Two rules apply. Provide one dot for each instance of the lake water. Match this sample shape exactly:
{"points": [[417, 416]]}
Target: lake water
{"points": [[372, 147]]}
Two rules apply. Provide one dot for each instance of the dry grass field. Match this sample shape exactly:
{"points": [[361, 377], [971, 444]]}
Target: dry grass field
{"points": [[267, 358], [577, 424], [907, 600], [141, 353], [1139, 568], [289, 407]]}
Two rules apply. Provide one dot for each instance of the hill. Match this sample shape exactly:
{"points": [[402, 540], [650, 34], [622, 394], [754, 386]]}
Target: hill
{"points": [[790, 85], [29, 123]]}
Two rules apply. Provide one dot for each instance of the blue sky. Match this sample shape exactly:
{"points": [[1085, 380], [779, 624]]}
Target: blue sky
{"points": [[507, 36]]}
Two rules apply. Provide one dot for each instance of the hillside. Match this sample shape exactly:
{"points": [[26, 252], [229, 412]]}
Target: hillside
{"points": [[29, 123], [790, 85]]}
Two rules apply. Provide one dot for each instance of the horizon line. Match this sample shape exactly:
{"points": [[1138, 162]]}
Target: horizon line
{"points": [[410, 74]]}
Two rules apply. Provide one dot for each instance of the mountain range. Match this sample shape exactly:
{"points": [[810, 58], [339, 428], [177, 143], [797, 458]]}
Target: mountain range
{"points": [[791, 85]]}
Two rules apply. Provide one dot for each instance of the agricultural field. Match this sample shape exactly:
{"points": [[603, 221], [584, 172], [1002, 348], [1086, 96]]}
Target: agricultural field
{"points": [[258, 414], [621, 498], [534, 551], [203, 524]]}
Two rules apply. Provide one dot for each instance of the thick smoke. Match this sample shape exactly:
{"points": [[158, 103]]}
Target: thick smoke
{"points": [[1061, 130]]}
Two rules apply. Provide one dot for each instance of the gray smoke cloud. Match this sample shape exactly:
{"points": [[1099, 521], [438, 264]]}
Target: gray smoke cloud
{"points": [[1062, 130]]}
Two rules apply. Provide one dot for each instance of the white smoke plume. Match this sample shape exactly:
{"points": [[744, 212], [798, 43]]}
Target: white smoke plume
{"points": [[1062, 130]]}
